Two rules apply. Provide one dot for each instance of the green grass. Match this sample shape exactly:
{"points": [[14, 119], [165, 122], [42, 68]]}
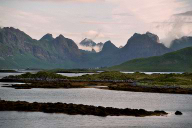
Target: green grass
{"points": [[179, 61], [23, 61], [41, 75], [179, 80]]}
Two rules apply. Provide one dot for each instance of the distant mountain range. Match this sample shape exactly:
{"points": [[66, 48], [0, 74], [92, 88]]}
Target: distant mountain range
{"points": [[178, 61], [18, 50]]}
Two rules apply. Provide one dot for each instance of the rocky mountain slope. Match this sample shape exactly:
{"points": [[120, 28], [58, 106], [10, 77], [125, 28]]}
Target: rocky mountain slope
{"points": [[19, 50]]}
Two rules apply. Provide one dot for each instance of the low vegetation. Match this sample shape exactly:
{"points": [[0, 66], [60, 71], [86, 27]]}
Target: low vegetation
{"points": [[168, 83], [39, 75], [178, 61]]}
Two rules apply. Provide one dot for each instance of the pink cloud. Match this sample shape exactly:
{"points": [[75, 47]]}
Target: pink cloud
{"points": [[82, 1]]}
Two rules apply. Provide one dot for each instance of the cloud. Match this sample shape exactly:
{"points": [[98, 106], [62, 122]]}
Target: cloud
{"points": [[26, 21], [116, 20], [123, 14], [96, 48], [91, 34], [188, 13], [101, 22], [177, 26], [82, 1]]}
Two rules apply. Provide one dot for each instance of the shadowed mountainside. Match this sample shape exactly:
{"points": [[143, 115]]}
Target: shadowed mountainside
{"points": [[178, 61], [181, 43], [18, 50]]}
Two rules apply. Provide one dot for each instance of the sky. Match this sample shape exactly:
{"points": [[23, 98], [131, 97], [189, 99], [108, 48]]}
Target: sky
{"points": [[99, 20]]}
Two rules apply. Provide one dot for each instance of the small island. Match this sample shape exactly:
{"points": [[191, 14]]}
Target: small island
{"points": [[136, 82], [7, 71], [75, 109]]}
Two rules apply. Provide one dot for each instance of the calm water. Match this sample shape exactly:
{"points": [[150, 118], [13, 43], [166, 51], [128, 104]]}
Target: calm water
{"points": [[74, 74], [97, 97], [149, 73]]}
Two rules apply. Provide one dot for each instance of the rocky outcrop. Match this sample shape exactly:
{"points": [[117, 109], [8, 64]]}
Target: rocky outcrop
{"points": [[178, 113], [74, 109]]}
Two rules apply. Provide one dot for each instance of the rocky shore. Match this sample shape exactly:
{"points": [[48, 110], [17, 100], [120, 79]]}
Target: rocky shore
{"points": [[75, 109], [164, 89], [112, 85]]}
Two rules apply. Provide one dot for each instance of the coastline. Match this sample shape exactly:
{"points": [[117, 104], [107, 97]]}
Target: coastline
{"points": [[111, 85]]}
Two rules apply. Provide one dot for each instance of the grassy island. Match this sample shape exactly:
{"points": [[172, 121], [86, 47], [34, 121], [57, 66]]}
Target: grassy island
{"points": [[139, 82]]}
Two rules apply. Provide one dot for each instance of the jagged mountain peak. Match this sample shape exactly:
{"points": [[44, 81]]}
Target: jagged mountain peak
{"points": [[60, 36], [11, 28], [153, 37], [88, 43], [15, 31], [109, 47], [148, 35], [108, 44], [143, 39], [47, 37]]}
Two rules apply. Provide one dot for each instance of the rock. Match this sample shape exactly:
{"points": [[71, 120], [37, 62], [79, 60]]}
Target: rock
{"points": [[178, 113], [74, 109]]}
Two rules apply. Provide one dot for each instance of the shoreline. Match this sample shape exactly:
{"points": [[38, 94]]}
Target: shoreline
{"points": [[110, 85]]}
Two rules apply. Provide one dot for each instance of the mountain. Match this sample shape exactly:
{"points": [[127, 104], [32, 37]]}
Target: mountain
{"points": [[108, 48], [47, 37], [19, 50], [178, 61], [138, 46], [181, 43], [100, 44], [143, 45], [88, 44], [101, 59]]}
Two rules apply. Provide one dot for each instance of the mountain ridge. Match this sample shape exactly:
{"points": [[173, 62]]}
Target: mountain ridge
{"points": [[62, 52], [177, 61]]}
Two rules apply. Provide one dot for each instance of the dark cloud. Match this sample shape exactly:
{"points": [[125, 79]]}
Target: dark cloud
{"points": [[188, 13]]}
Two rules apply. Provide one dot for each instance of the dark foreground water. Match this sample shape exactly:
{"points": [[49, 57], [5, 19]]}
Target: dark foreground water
{"points": [[97, 97]]}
